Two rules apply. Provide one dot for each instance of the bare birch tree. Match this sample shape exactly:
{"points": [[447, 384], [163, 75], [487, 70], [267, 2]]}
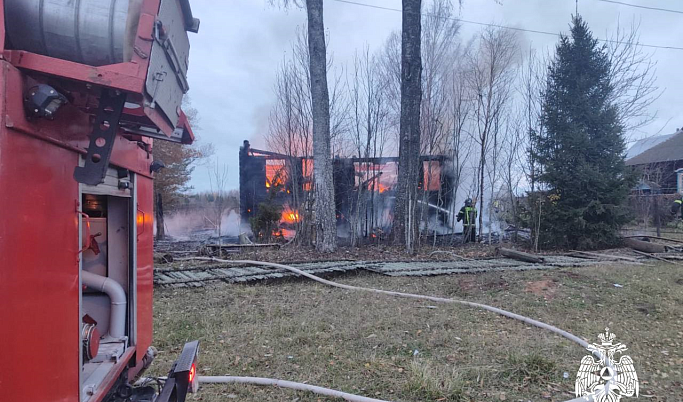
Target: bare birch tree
{"points": [[218, 182], [369, 123], [532, 83], [512, 169], [291, 122], [440, 48], [460, 143], [290, 131], [324, 206], [390, 69], [633, 77], [490, 75]]}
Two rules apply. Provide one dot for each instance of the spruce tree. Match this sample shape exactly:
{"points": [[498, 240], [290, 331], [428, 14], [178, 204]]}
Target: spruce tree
{"points": [[581, 151]]}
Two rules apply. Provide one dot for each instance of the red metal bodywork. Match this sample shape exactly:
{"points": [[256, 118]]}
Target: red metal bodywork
{"points": [[145, 262], [39, 250], [39, 220], [38, 268]]}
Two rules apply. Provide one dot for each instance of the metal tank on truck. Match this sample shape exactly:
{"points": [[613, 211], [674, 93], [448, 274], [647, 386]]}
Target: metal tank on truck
{"points": [[87, 86]]}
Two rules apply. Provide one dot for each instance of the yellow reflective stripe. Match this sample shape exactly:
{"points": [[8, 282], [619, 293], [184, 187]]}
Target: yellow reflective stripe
{"points": [[679, 201], [468, 211]]}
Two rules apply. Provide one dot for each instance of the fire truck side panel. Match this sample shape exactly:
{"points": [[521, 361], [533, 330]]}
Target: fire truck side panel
{"points": [[40, 317], [145, 263], [39, 278]]}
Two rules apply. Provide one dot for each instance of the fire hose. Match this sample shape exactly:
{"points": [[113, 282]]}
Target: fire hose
{"points": [[286, 384], [356, 398]]}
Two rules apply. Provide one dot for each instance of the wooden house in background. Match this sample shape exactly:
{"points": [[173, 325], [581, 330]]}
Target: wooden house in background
{"points": [[660, 161]]}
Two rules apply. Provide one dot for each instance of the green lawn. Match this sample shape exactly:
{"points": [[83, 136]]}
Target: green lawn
{"points": [[405, 350]]}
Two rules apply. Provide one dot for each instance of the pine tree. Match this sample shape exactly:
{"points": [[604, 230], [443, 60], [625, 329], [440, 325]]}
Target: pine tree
{"points": [[582, 149]]}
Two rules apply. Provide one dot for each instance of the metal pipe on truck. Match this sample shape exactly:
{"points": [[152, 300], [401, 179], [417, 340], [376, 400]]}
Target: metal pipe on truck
{"points": [[117, 319]]}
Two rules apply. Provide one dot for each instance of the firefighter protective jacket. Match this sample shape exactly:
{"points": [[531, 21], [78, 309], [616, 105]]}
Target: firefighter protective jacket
{"points": [[468, 215], [676, 206]]}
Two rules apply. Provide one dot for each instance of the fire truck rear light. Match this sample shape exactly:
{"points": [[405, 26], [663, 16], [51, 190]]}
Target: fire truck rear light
{"points": [[192, 372], [194, 381], [183, 376]]}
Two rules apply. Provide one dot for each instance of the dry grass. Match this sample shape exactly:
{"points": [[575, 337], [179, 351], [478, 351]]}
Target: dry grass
{"points": [[405, 350]]}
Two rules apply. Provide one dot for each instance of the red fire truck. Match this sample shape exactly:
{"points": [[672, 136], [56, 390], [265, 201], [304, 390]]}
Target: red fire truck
{"points": [[85, 88]]}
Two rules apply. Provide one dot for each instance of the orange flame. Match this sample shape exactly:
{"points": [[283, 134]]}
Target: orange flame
{"points": [[276, 174], [432, 176], [284, 233], [290, 216], [382, 188], [376, 185]]}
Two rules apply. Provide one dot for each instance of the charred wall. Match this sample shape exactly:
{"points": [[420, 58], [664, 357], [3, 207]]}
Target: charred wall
{"points": [[252, 182], [269, 176]]}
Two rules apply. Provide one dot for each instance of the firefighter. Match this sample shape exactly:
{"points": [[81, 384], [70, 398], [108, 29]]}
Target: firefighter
{"points": [[676, 206], [468, 216]]}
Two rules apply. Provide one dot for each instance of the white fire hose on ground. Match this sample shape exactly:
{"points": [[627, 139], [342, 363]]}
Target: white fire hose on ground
{"points": [[286, 384], [357, 398]]}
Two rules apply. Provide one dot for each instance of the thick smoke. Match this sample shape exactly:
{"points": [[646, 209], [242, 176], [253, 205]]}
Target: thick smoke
{"points": [[189, 225]]}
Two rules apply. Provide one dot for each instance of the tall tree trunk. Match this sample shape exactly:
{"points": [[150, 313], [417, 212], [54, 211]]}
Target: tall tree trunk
{"points": [[324, 207], [161, 232], [482, 166], [405, 226]]}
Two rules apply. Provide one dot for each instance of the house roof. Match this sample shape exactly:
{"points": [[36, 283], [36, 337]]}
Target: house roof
{"points": [[659, 149], [643, 145]]}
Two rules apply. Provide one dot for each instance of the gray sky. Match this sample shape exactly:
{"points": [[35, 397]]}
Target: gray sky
{"points": [[235, 56]]}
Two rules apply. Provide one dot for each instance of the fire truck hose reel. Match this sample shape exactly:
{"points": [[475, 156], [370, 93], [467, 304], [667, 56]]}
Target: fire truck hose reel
{"points": [[91, 338], [102, 138], [496, 310]]}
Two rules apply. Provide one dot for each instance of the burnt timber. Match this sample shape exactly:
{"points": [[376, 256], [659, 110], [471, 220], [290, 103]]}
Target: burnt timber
{"points": [[213, 273]]}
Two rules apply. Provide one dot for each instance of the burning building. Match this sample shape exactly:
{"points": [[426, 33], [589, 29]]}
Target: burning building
{"points": [[364, 189]]}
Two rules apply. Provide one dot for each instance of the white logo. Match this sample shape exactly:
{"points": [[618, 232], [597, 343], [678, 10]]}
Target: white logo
{"points": [[605, 379]]}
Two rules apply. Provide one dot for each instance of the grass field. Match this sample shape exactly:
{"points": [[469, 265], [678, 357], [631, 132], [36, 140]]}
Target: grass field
{"points": [[405, 350]]}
